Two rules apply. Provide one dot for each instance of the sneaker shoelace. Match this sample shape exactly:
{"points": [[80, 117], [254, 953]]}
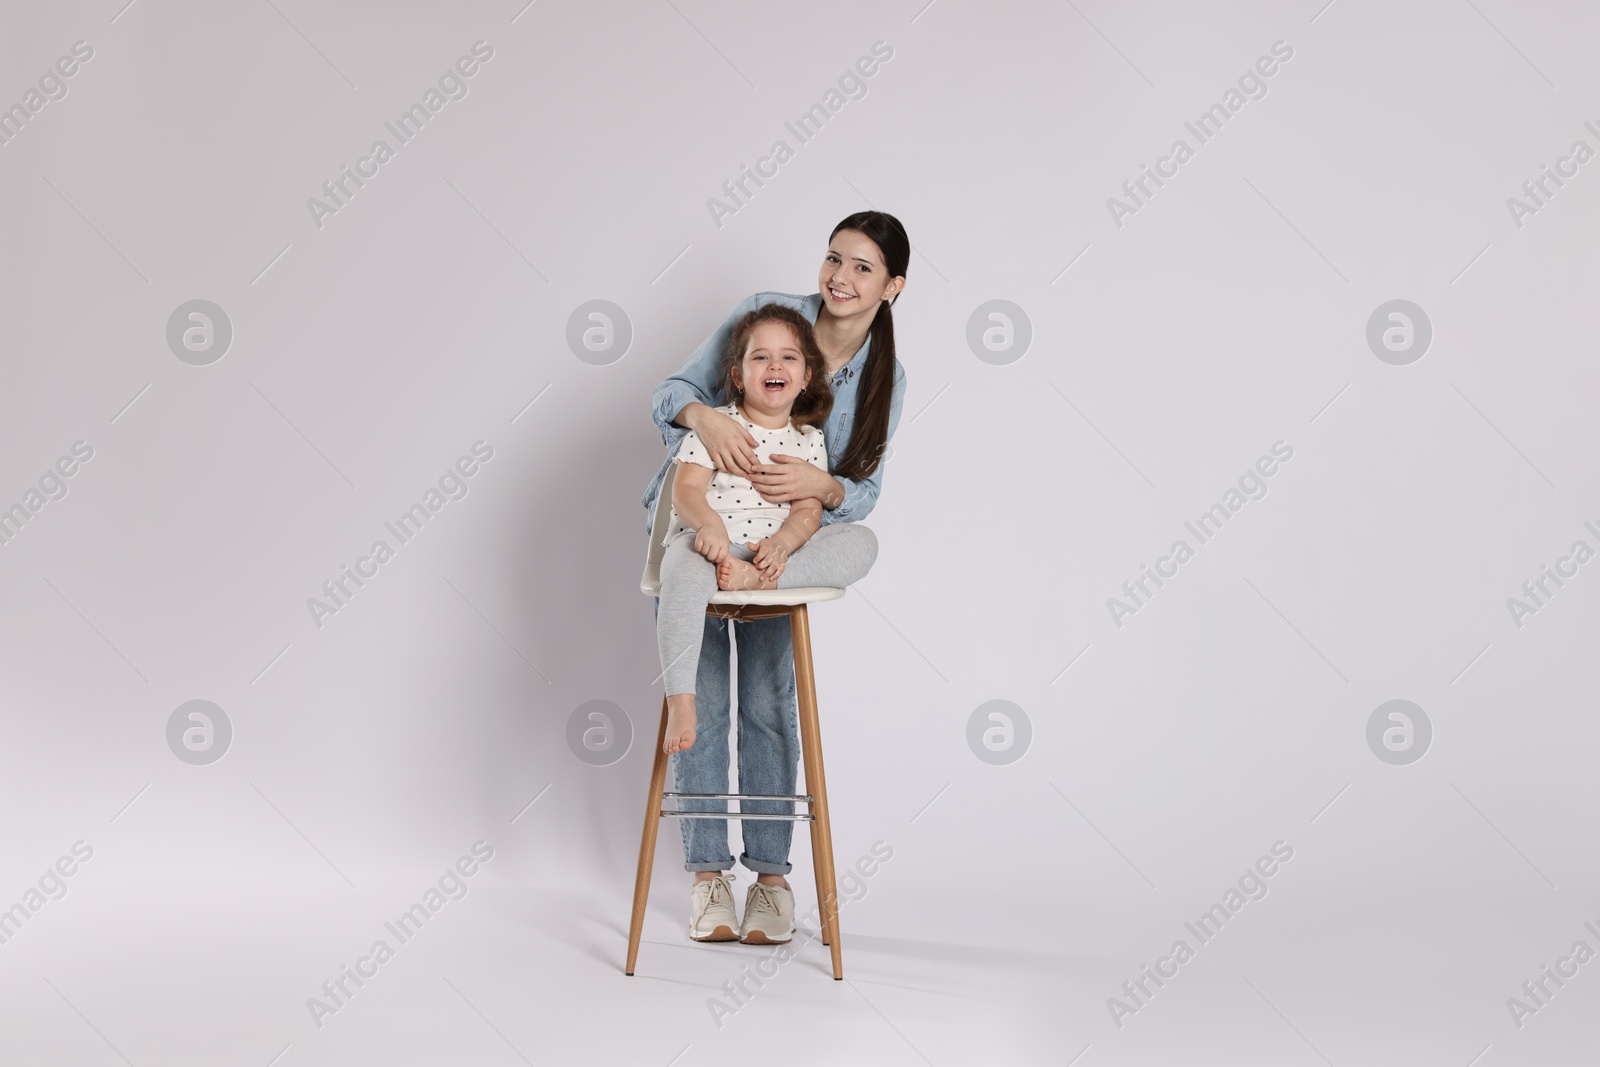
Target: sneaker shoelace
{"points": [[763, 899], [718, 893]]}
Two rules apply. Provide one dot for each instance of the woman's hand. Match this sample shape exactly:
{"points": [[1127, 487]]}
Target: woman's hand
{"points": [[730, 446], [712, 542], [770, 558], [788, 478]]}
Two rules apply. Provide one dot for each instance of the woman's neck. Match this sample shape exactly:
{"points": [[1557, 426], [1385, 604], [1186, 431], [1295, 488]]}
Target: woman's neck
{"points": [[840, 339]]}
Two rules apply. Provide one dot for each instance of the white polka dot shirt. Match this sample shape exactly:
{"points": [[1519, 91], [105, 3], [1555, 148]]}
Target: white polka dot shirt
{"points": [[747, 517]]}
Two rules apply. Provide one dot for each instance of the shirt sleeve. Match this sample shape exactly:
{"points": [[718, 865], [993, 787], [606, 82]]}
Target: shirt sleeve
{"points": [[861, 496], [691, 450], [698, 379]]}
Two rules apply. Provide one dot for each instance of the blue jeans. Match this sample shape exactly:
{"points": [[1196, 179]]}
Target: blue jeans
{"points": [[769, 745]]}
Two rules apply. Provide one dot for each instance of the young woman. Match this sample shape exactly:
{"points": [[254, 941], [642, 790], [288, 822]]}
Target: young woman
{"points": [[862, 274]]}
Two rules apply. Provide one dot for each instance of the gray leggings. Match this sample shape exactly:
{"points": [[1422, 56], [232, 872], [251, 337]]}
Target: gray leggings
{"points": [[837, 555]]}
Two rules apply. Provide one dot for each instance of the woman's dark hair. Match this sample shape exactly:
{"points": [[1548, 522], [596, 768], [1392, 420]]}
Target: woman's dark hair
{"points": [[815, 402], [870, 432]]}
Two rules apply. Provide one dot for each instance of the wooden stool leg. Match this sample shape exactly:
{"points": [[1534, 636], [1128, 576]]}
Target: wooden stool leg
{"points": [[818, 872], [647, 845], [816, 784]]}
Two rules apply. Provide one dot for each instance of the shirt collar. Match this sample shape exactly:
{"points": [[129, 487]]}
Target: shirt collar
{"points": [[857, 361], [732, 409]]}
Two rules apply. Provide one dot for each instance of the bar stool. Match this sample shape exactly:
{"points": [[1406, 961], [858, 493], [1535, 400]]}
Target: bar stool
{"points": [[744, 605]]}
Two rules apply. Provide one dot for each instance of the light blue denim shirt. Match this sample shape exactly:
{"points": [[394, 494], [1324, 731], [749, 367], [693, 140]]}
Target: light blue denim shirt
{"points": [[699, 379]]}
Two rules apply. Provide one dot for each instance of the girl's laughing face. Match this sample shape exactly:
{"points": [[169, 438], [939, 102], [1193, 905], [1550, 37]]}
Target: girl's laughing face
{"points": [[773, 370]]}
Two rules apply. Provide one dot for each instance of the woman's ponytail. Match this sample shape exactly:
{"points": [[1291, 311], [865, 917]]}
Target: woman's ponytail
{"points": [[870, 432]]}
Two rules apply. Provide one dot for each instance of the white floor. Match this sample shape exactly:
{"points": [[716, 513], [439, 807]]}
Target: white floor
{"points": [[217, 968]]}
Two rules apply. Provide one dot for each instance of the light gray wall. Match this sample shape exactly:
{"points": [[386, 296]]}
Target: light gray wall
{"points": [[1170, 348]]}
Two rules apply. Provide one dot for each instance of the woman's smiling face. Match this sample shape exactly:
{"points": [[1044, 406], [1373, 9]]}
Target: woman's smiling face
{"points": [[853, 278], [773, 370]]}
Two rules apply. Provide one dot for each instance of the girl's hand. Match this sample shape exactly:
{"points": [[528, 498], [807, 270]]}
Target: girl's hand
{"points": [[712, 542], [788, 478], [770, 558], [730, 446]]}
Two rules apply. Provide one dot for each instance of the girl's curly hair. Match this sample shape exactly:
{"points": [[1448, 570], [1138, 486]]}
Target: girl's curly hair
{"points": [[813, 405]]}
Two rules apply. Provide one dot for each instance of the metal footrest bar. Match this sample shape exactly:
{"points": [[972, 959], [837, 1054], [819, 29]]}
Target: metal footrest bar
{"points": [[803, 798], [665, 814], [740, 796]]}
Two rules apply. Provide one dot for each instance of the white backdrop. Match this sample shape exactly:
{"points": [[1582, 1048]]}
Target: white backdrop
{"points": [[1154, 344]]}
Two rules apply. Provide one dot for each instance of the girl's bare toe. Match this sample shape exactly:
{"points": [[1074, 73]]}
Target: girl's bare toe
{"points": [[742, 574], [680, 730]]}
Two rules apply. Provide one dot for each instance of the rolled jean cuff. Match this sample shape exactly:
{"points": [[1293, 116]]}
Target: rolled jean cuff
{"points": [[764, 867], [709, 865]]}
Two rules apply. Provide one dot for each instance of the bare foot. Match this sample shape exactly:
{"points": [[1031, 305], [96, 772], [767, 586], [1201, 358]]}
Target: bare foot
{"points": [[735, 573], [680, 723]]}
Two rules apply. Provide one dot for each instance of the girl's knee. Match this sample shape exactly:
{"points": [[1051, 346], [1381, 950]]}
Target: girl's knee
{"points": [[869, 543]]}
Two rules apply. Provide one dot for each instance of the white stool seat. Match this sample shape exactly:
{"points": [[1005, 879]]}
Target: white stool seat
{"points": [[650, 584], [801, 594]]}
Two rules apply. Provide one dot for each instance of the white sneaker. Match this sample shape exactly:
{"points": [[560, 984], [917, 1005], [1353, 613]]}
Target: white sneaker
{"points": [[768, 915], [711, 916]]}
